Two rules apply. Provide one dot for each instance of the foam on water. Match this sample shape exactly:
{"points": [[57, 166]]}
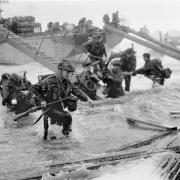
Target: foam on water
{"points": [[135, 169]]}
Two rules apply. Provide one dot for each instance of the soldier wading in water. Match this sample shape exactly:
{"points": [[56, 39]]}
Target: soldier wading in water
{"points": [[55, 87]]}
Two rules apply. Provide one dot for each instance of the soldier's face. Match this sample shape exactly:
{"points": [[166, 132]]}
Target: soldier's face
{"points": [[66, 74], [145, 58]]}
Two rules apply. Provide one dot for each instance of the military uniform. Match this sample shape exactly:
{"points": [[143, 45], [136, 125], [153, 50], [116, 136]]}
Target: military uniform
{"points": [[113, 78], [128, 60], [97, 49], [3, 81], [10, 87], [152, 69], [128, 64], [53, 88]]}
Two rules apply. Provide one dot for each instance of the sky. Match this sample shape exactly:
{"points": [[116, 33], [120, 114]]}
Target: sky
{"points": [[157, 15]]}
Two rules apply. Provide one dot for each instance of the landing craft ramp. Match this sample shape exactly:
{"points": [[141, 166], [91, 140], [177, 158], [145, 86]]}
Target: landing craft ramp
{"points": [[153, 40], [69, 45], [144, 41], [23, 46]]}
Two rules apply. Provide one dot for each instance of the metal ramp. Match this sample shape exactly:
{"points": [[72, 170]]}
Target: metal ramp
{"points": [[153, 40], [145, 41], [23, 46]]}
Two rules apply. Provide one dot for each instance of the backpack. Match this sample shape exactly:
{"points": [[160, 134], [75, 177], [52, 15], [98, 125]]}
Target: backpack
{"points": [[96, 48], [167, 73]]}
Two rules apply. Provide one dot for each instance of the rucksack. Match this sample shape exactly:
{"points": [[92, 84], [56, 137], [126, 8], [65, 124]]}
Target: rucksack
{"points": [[96, 48], [167, 73]]}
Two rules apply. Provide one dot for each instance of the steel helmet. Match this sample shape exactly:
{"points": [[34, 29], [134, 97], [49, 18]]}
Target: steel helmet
{"points": [[146, 55], [116, 62], [158, 61], [66, 65], [16, 78], [5, 76]]}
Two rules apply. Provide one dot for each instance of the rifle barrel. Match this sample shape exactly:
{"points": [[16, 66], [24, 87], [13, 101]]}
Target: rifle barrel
{"points": [[34, 109]]}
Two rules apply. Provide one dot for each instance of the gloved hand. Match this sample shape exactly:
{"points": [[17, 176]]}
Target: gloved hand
{"points": [[43, 104]]}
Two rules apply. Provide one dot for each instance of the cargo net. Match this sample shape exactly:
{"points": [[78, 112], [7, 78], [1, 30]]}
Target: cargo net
{"points": [[64, 47], [69, 47]]}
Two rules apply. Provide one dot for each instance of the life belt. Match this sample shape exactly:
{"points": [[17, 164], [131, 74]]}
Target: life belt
{"points": [[90, 85]]}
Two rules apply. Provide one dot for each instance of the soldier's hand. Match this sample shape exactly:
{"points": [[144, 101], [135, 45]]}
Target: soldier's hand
{"points": [[43, 104], [90, 103], [128, 73], [99, 74], [101, 83]]}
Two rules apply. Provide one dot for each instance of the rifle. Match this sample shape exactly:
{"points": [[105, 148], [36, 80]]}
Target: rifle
{"points": [[107, 64], [41, 116], [37, 108], [96, 62]]}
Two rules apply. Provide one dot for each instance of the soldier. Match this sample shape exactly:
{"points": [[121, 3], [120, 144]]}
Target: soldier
{"points": [[128, 60], [113, 78], [12, 85], [95, 50], [153, 69], [58, 86], [16, 93], [4, 79], [88, 81]]}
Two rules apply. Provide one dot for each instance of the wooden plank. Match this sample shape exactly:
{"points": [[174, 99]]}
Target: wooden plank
{"points": [[172, 113], [70, 166], [134, 121], [144, 142], [91, 164]]}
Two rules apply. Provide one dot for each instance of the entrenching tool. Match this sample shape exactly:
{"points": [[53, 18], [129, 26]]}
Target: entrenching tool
{"points": [[135, 122]]}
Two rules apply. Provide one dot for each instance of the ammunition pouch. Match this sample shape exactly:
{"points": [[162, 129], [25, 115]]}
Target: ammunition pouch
{"points": [[71, 103]]}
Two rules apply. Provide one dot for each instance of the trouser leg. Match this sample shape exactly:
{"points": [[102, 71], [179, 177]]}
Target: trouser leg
{"points": [[46, 126], [127, 82], [61, 118], [67, 123]]}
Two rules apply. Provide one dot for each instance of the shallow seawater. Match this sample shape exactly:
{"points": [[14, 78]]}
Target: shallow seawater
{"points": [[94, 130]]}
